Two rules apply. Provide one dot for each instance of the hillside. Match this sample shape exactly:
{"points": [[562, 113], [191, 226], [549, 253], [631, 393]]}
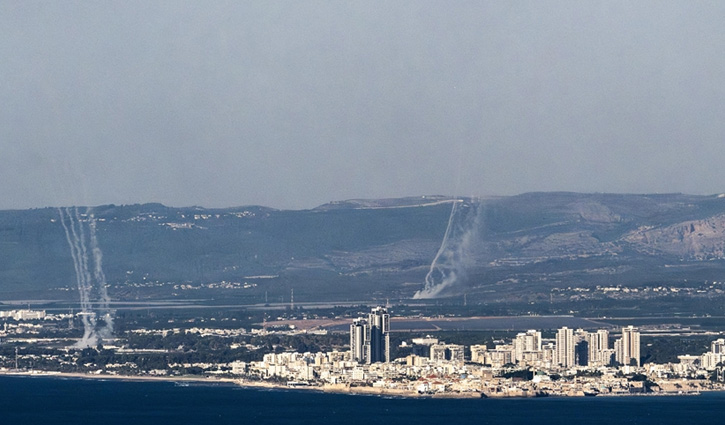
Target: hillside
{"points": [[500, 248]]}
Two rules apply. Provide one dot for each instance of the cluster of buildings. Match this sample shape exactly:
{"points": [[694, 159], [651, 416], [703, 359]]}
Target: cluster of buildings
{"points": [[569, 362], [570, 348], [696, 365], [712, 358], [19, 315], [25, 322], [588, 362]]}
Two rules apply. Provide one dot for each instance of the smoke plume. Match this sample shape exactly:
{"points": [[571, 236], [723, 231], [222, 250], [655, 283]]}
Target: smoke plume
{"points": [[80, 232], [456, 253]]}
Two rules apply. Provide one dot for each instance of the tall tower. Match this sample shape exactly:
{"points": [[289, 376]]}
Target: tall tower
{"points": [[565, 347], [358, 330], [598, 344], [378, 335], [370, 338], [603, 335], [581, 348], [630, 345]]}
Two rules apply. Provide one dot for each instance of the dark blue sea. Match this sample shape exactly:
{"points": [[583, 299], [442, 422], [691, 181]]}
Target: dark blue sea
{"points": [[44, 400]]}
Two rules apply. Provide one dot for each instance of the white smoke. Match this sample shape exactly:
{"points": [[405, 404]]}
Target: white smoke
{"points": [[75, 233], [104, 300], [454, 257]]}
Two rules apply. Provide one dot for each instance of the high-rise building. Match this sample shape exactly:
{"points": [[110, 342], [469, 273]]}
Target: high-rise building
{"points": [[370, 338], [630, 345], [565, 347], [548, 354], [499, 356], [603, 335], [437, 353], [598, 348], [529, 342], [581, 352], [715, 356], [718, 346], [455, 353], [618, 351], [378, 336], [478, 353], [358, 331], [581, 347]]}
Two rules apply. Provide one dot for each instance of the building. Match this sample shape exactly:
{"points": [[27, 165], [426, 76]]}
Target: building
{"points": [[599, 348], [526, 343], [437, 353], [23, 314], [427, 340], [581, 352], [548, 355], [501, 355], [358, 330], [478, 353], [565, 347], [581, 347], [370, 338], [455, 353], [378, 336], [630, 346], [718, 346], [715, 356]]}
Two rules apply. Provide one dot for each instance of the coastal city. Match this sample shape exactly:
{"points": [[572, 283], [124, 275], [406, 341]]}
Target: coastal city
{"points": [[572, 362], [345, 212]]}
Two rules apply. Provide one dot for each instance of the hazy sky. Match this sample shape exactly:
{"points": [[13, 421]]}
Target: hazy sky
{"points": [[296, 103]]}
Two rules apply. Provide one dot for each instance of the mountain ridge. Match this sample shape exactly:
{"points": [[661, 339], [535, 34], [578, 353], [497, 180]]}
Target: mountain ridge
{"points": [[374, 247]]}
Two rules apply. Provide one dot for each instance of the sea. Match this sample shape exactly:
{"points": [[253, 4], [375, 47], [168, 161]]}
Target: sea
{"points": [[53, 400]]}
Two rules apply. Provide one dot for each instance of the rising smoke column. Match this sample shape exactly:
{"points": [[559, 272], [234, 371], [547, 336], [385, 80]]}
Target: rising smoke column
{"points": [[450, 264], [104, 300], [86, 281], [75, 242]]}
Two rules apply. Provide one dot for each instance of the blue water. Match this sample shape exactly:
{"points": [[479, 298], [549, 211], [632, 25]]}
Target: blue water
{"points": [[42, 400]]}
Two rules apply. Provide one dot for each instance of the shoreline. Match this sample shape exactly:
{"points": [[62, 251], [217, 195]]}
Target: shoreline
{"points": [[326, 388], [240, 382], [127, 378]]}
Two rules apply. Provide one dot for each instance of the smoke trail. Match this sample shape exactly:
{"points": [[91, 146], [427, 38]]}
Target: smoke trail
{"points": [[76, 236], [434, 267], [92, 339], [72, 232], [71, 237], [87, 316], [454, 256], [107, 330]]}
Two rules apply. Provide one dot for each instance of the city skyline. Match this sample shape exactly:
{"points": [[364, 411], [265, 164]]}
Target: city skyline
{"points": [[525, 364]]}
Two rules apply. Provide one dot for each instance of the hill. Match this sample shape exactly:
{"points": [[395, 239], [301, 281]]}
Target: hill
{"points": [[523, 248]]}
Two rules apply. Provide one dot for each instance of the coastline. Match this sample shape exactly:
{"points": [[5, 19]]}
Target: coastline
{"points": [[128, 378], [326, 388], [334, 389]]}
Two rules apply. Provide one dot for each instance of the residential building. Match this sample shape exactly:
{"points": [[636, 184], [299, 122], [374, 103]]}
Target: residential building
{"points": [[437, 353], [529, 342], [358, 331], [630, 346], [565, 354], [378, 336]]}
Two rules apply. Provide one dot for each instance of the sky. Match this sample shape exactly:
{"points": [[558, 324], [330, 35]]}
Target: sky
{"points": [[292, 104]]}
